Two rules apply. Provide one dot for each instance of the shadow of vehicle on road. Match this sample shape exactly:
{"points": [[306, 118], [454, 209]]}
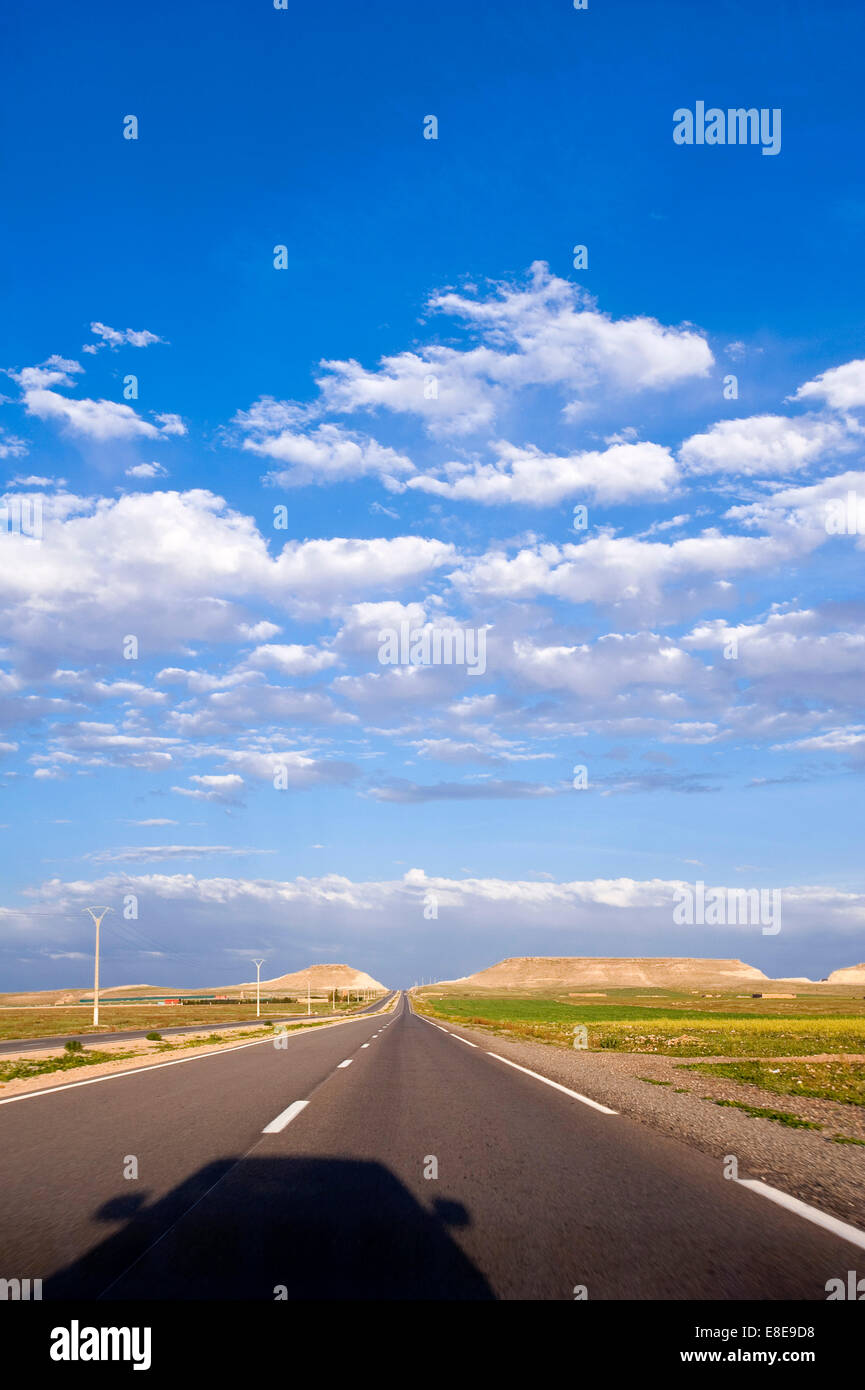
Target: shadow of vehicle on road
{"points": [[268, 1228]]}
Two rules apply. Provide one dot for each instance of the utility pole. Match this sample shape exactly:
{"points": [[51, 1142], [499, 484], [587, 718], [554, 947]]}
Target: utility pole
{"points": [[258, 964], [97, 922]]}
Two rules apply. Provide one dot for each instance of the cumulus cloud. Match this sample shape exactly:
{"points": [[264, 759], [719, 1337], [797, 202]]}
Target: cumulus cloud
{"points": [[101, 420], [144, 563], [533, 915], [544, 333], [532, 478], [626, 572], [765, 445], [325, 454], [292, 659], [612, 635], [842, 388]]}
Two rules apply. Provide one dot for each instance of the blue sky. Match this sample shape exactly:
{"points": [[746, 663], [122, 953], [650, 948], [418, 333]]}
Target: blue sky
{"points": [[408, 259]]}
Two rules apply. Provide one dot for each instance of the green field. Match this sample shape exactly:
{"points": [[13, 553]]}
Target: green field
{"points": [[671, 1025]]}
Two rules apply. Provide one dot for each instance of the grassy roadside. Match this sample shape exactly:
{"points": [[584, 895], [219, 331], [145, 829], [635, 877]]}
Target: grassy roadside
{"points": [[835, 1080], [22, 1069], [26, 1024], [65, 1061]]}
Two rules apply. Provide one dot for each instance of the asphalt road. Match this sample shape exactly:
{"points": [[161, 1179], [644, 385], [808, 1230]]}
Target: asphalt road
{"points": [[37, 1044], [242, 1193]]}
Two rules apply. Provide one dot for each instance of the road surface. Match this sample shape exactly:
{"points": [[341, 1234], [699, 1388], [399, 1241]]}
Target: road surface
{"points": [[244, 1192]]}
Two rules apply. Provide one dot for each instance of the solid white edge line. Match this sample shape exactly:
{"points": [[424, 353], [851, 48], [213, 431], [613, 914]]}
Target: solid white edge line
{"points": [[285, 1117], [838, 1228], [819, 1218], [157, 1066], [347, 1063], [596, 1105]]}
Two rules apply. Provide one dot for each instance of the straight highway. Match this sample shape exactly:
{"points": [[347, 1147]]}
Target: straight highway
{"points": [[382, 1158]]}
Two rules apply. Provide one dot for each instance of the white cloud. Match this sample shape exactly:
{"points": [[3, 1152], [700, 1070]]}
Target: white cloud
{"points": [[54, 371], [36, 480], [765, 445], [170, 424], [147, 470], [296, 769], [328, 453], [532, 478], [626, 572], [100, 420], [844, 740], [144, 562], [842, 388], [11, 446], [800, 511], [545, 333], [292, 659], [114, 337], [214, 787], [624, 910], [143, 854]]}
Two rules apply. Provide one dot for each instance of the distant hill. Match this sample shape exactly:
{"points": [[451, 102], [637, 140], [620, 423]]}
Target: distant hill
{"points": [[618, 972], [321, 979], [849, 975]]}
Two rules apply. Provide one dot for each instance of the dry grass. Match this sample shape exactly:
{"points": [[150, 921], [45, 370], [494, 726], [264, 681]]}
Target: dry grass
{"points": [[46, 1023]]}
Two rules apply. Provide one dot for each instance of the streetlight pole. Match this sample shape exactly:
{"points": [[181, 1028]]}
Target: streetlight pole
{"points": [[258, 964], [97, 922], [308, 1000]]}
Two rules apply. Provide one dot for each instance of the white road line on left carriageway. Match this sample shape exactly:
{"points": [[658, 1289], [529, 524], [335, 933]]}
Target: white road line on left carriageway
{"points": [[300, 1032]]}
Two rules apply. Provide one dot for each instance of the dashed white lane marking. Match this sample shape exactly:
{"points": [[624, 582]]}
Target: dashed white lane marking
{"points": [[364, 1044], [347, 1063], [158, 1066], [819, 1218], [604, 1109], [286, 1117], [465, 1040]]}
